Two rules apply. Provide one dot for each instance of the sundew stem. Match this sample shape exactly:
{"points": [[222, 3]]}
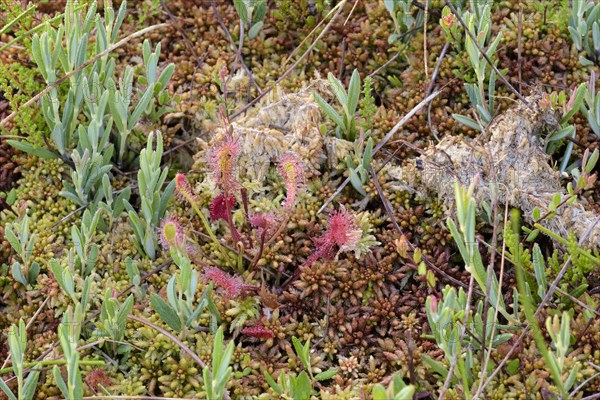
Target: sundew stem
{"points": [[209, 231]]}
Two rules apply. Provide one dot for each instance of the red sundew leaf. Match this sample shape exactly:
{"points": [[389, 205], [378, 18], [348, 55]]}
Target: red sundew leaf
{"points": [[222, 159], [183, 188], [231, 285], [258, 331], [343, 232], [221, 206], [291, 168]]}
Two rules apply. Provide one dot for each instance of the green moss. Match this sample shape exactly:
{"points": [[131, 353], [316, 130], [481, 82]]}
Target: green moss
{"points": [[18, 84]]}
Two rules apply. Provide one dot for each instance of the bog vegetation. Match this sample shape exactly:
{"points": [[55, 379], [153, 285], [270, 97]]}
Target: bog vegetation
{"points": [[299, 199]]}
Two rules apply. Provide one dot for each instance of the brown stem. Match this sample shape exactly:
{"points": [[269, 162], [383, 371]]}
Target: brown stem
{"points": [[260, 249], [245, 205]]}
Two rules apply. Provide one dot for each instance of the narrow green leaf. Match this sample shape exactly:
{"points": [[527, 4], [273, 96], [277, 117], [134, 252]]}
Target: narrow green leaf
{"points": [[9, 392], [325, 375], [31, 382], [141, 106], [208, 384], [571, 378], [13, 240], [356, 182], [217, 356], [492, 48], [539, 268], [591, 162], [330, 112], [338, 90], [124, 311], [470, 122], [368, 154], [271, 383], [166, 312], [437, 366], [300, 352], [165, 75], [60, 382], [353, 93], [576, 104], [35, 151], [255, 30]]}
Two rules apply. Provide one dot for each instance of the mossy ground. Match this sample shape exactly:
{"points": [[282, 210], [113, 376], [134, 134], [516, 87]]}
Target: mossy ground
{"points": [[365, 316]]}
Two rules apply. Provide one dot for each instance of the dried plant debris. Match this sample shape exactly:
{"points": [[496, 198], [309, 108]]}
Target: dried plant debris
{"points": [[281, 123], [510, 153]]}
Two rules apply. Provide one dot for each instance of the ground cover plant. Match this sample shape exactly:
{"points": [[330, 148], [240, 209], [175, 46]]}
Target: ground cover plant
{"points": [[311, 199]]}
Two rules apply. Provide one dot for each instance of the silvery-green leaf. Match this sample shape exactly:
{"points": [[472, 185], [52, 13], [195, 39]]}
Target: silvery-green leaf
{"points": [[492, 91], [390, 5], [585, 62], [89, 19], [7, 390], [353, 93], [470, 122], [118, 21], [17, 274], [149, 245], [331, 113], [255, 30], [492, 48], [30, 149], [141, 106], [165, 75], [356, 182], [325, 375], [31, 382], [13, 240], [338, 90], [166, 312], [260, 10], [60, 382], [34, 271], [240, 7]]}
